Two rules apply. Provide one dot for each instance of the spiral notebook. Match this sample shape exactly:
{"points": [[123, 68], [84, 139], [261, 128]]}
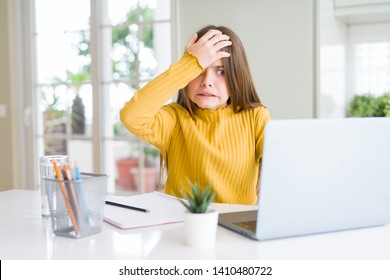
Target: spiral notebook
{"points": [[163, 209]]}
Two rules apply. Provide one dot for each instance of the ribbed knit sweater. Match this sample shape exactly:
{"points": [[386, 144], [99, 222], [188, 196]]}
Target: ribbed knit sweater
{"points": [[220, 146]]}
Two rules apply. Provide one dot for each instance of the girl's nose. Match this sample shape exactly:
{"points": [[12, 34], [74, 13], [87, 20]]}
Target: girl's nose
{"points": [[207, 80]]}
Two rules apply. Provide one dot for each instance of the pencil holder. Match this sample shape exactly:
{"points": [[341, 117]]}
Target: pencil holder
{"points": [[77, 206]]}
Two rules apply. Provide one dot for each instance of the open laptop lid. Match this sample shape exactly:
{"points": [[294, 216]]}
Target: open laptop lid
{"points": [[322, 175]]}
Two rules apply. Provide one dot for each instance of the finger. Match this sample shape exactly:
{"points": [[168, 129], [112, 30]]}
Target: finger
{"points": [[210, 34], [222, 55], [219, 38], [192, 40], [222, 44]]}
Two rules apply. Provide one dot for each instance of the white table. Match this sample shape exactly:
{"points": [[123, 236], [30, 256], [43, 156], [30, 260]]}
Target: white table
{"points": [[25, 235]]}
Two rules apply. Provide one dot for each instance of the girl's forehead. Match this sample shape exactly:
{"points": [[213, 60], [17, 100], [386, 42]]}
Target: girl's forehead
{"points": [[217, 64]]}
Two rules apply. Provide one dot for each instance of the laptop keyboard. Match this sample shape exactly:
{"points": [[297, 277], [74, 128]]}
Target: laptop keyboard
{"points": [[249, 225]]}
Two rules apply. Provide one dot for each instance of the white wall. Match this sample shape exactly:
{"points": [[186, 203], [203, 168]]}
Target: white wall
{"points": [[280, 42]]}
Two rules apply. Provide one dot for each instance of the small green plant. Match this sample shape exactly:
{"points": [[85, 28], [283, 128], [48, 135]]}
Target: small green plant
{"points": [[198, 201], [363, 106], [370, 106], [384, 105]]}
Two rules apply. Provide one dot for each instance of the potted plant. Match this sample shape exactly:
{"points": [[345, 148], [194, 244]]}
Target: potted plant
{"points": [[54, 123], [125, 180], [200, 222], [150, 168]]}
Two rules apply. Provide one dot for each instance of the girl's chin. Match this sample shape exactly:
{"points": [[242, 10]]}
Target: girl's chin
{"points": [[207, 106], [211, 107]]}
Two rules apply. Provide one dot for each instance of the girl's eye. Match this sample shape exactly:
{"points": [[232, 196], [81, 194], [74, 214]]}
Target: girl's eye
{"points": [[220, 71]]}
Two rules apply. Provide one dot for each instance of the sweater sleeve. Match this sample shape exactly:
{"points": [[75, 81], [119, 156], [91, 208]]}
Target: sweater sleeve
{"points": [[143, 114]]}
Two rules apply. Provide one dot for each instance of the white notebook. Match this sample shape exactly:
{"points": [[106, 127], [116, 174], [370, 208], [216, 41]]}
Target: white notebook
{"points": [[164, 209]]}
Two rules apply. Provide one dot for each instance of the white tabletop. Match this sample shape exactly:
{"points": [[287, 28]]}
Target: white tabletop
{"points": [[25, 235]]}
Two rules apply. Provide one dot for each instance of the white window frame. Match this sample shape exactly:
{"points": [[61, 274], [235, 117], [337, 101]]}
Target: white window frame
{"points": [[23, 100]]}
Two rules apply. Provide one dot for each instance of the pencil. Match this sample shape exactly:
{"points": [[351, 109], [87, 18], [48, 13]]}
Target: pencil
{"points": [[127, 206], [66, 198], [77, 171], [72, 194]]}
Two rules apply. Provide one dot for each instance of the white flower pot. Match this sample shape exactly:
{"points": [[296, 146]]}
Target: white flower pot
{"points": [[201, 228]]}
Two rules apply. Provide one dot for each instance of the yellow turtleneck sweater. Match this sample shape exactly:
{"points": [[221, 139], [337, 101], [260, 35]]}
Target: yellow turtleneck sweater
{"points": [[219, 146]]}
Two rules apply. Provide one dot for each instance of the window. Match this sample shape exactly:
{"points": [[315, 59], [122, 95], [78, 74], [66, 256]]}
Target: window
{"points": [[88, 65], [370, 59], [372, 68]]}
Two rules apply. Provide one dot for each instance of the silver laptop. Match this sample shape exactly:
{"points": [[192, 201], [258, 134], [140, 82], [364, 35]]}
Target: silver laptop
{"points": [[320, 175]]}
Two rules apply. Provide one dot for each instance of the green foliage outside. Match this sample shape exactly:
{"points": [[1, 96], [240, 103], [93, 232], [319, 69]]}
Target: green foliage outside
{"points": [[150, 150], [128, 38], [368, 105]]}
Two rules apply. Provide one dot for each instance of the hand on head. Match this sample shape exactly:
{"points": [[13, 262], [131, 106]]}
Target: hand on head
{"points": [[208, 48]]}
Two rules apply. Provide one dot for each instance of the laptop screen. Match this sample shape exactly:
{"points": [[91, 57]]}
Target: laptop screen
{"points": [[322, 175]]}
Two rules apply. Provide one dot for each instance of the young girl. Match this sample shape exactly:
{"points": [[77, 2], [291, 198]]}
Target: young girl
{"points": [[214, 132]]}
